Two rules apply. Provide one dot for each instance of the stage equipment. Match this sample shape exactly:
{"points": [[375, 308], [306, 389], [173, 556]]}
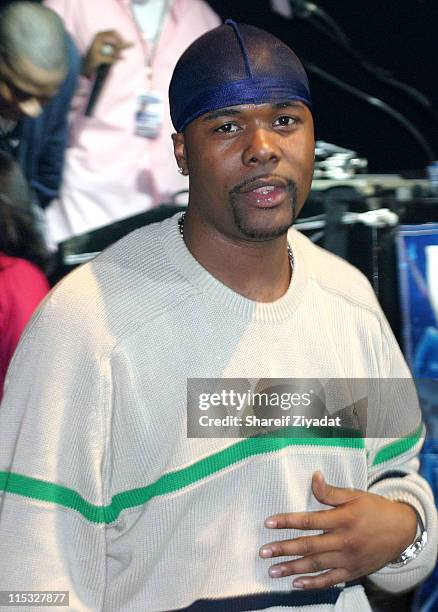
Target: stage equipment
{"points": [[336, 162]]}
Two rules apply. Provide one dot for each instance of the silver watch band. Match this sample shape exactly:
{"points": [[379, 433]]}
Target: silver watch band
{"points": [[415, 548]]}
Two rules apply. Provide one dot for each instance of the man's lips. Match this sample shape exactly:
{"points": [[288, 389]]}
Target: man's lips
{"points": [[264, 192], [260, 183]]}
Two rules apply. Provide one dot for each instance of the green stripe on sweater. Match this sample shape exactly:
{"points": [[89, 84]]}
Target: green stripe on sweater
{"points": [[168, 483], [398, 447]]}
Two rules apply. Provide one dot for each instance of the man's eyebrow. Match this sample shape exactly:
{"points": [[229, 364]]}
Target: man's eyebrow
{"points": [[221, 112], [289, 104], [232, 111]]}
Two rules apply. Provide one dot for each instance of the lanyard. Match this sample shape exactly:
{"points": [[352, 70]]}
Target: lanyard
{"points": [[153, 44]]}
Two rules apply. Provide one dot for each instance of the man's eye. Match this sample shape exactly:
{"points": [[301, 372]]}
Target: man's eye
{"points": [[227, 128], [285, 120]]}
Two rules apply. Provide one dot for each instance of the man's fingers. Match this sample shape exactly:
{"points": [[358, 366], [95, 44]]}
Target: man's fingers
{"points": [[107, 60], [308, 565], [112, 38], [118, 46], [106, 49], [301, 547], [323, 581], [329, 494], [320, 520], [109, 57]]}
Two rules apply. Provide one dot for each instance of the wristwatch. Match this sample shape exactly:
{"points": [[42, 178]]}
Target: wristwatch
{"points": [[415, 548]]}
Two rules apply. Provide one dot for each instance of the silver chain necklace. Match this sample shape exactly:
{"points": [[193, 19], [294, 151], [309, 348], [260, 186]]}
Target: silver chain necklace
{"points": [[181, 232]]}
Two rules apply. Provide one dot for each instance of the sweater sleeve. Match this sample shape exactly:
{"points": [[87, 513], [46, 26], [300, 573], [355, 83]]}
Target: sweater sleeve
{"points": [[52, 459], [393, 462]]}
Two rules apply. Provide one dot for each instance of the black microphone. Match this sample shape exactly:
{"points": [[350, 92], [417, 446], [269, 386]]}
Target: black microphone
{"points": [[101, 76]]}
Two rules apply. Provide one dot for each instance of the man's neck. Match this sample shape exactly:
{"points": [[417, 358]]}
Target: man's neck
{"points": [[260, 271]]}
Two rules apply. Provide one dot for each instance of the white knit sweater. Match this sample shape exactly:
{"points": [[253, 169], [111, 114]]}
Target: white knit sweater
{"points": [[105, 495]]}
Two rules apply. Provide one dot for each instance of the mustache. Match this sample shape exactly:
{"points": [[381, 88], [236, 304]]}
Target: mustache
{"points": [[289, 184]]}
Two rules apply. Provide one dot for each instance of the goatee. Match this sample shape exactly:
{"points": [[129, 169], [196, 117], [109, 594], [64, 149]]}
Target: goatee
{"points": [[260, 234]]}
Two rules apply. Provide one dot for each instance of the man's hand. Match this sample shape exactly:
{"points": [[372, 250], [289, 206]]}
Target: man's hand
{"points": [[95, 57], [362, 533]]}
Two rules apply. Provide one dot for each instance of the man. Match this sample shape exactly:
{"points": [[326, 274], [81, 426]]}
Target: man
{"points": [[142, 39], [38, 70], [105, 494]]}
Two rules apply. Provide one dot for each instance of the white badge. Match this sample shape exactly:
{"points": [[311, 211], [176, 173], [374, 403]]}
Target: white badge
{"points": [[149, 114]]}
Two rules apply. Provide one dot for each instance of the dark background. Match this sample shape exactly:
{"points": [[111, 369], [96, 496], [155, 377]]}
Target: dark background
{"points": [[397, 35]]}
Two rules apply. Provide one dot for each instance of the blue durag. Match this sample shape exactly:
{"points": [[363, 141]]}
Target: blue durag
{"points": [[231, 65]]}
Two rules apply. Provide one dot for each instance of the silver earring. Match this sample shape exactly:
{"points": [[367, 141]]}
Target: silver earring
{"points": [[180, 170]]}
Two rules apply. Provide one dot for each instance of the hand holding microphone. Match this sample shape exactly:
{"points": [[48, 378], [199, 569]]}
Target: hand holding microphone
{"points": [[104, 51]]}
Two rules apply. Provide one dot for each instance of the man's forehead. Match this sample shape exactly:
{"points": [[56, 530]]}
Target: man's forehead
{"points": [[240, 109]]}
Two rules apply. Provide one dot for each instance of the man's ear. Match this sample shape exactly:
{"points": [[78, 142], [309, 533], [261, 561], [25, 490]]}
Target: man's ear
{"points": [[179, 149]]}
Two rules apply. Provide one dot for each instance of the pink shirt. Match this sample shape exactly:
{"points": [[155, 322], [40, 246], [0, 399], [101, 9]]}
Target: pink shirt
{"points": [[22, 287], [110, 173]]}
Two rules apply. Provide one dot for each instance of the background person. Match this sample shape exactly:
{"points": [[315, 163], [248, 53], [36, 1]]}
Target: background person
{"points": [[23, 259], [116, 166], [38, 70]]}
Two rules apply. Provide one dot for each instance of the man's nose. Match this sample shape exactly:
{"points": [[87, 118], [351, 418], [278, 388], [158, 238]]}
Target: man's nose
{"points": [[262, 148], [31, 108]]}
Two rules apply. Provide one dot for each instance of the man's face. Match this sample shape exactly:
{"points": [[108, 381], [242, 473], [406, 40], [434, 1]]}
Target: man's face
{"points": [[25, 88], [250, 167]]}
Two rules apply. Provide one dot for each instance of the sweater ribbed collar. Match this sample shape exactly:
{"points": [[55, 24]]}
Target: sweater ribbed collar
{"points": [[262, 312]]}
